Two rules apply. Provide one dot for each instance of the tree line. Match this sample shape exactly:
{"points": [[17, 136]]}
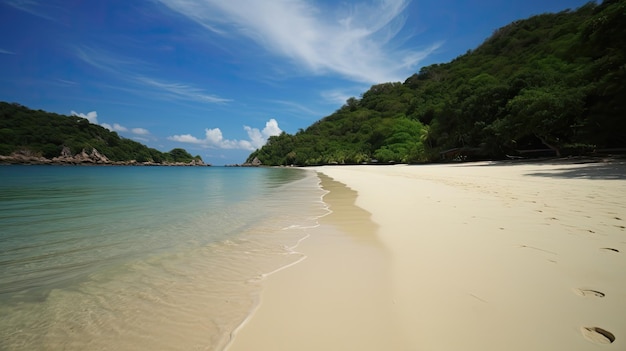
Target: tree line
{"points": [[551, 84], [46, 134]]}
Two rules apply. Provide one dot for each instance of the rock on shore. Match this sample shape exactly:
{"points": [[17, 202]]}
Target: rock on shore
{"points": [[94, 157]]}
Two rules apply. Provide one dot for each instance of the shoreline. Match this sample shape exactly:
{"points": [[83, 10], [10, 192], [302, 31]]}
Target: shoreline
{"points": [[317, 285], [476, 256]]}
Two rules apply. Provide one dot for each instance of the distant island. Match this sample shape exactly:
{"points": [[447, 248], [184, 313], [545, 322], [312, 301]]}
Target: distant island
{"points": [[550, 85], [37, 137]]}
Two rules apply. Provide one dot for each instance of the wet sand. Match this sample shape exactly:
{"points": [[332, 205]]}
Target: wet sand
{"points": [[481, 256]]}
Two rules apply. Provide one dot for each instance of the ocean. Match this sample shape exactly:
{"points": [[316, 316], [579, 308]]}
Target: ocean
{"points": [[143, 258]]}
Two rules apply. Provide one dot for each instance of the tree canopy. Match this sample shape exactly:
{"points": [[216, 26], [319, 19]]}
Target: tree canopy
{"points": [[46, 134], [552, 82]]}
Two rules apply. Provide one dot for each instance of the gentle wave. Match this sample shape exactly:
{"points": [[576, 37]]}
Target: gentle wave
{"points": [[154, 260]]}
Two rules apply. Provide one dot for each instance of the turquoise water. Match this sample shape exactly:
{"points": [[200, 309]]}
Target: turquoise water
{"points": [[139, 258]]}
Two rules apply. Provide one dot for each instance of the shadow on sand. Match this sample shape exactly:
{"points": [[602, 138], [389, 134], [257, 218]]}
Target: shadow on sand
{"points": [[605, 171], [611, 168]]}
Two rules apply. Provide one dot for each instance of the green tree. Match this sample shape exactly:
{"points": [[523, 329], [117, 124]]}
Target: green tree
{"points": [[550, 114], [556, 79]]}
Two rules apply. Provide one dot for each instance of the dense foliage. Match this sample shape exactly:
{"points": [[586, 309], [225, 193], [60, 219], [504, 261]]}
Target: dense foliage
{"points": [[45, 134], [553, 81]]}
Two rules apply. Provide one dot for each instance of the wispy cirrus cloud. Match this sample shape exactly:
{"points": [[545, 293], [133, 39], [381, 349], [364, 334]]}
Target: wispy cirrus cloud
{"points": [[294, 106], [213, 138], [182, 91], [66, 82], [356, 41], [126, 69], [106, 61], [6, 52], [33, 7]]}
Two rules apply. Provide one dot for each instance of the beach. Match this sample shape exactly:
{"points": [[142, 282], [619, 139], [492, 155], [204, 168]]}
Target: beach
{"points": [[469, 256]]}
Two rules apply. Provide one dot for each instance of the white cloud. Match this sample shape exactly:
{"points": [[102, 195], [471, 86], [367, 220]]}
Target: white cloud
{"points": [[258, 138], [115, 127], [6, 52], [119, 128], [340, 97], [140, 131], [187, 138], [358, 41], [92, 116], [214, 137]]}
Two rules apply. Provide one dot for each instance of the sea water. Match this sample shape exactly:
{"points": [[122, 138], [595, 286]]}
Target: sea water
{"points": [[143, 258]]}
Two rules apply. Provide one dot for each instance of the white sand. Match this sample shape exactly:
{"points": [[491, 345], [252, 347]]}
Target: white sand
{"points": [[461, 257]]}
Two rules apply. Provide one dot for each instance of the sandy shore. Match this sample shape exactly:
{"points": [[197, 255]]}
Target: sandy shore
{"points": [[483, 256]]}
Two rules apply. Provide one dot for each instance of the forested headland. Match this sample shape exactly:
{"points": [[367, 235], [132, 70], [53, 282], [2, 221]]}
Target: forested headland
{"points": [[36, 136], [550, 84]]}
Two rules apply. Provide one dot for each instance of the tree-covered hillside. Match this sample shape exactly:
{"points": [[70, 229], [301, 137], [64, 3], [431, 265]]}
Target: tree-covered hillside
{"points": [[46, 134], [553, 81]]}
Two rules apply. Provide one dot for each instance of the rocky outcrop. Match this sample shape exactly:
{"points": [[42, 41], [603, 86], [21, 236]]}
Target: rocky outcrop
{"points": [[190, 163], [94, 157], [255, 163], [82, 158], [24, 157], [196, 162]]}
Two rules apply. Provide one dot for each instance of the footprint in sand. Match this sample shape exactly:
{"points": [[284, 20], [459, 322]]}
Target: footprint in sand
{"points": [[589, 293], [538, 249], [598, 335]]}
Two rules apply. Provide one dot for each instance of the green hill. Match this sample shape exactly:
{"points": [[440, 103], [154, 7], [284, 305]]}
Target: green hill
{"points": [[43, 134], [551, 82]]}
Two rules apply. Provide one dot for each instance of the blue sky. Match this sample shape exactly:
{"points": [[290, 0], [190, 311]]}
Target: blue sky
{"points": [[218, 77]]}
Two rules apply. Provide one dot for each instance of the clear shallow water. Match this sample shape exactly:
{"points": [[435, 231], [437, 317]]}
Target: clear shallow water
{"points": [[138, 258]]}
